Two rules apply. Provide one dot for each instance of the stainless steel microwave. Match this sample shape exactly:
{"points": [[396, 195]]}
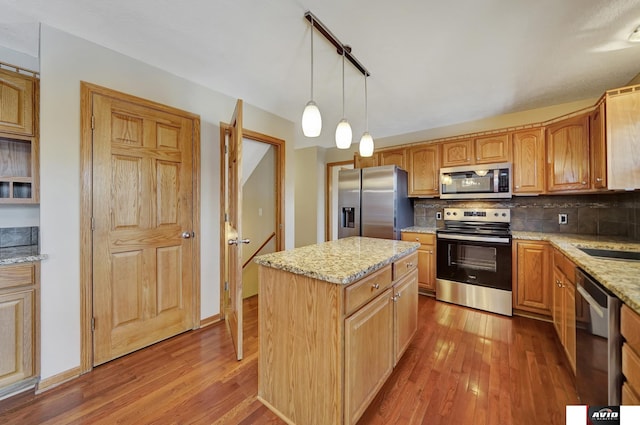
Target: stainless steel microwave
{"points": [[484, 181]]}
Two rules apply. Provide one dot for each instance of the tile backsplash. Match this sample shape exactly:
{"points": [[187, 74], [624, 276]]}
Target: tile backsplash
{"points": [[18, 236], [599, 214]]}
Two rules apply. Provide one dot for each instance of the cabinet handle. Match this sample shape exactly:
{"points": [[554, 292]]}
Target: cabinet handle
{"points": [[409, 265], [375, 286], [430, 252], [417, 239], [598, 179], [517, 187], [399, 294], [558, 283], [584, 182], [394, 298]]}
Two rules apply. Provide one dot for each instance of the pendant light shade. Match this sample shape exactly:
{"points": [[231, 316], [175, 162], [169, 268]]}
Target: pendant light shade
{"points": [[343, 134], [311, 118], [366, 142], [343, 131], [366, 145]]}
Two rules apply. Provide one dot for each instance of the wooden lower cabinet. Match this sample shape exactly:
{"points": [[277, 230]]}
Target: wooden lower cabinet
{"points": [[426, 259], [324, 350], [630, 329], [18, 327], [564, 309], [531, 276]]}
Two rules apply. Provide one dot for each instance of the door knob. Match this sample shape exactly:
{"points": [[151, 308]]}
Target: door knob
{"points": [[187, 235], [238, 241]]}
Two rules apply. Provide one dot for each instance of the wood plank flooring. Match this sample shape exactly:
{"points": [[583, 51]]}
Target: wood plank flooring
{"points": [[463, 367]]}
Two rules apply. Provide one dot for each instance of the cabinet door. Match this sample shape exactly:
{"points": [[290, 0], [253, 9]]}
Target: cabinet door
{"points": [[528, 161], [557, 310], [365, 162], [533, 291], [16, 103], [368, 354], [405, 297], [568, 154], [423, 170], [570, 323], [427, 267], [623, 140], [459, 152], [394, 157], [491, 149], [17, 333], [598, 148]]}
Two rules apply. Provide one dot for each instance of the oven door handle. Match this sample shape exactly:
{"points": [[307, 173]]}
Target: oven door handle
{"points": [[473, 238]]}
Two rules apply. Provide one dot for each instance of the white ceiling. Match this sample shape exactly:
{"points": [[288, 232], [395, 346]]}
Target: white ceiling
{"points": [[432, 63]]}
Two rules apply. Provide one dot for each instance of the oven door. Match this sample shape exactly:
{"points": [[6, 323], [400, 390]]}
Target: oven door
{"points": [[477, 260]]}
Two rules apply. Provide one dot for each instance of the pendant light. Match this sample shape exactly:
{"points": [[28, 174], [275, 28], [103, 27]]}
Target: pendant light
{"points": [[366, 142], [343, 130], [311, 119]]}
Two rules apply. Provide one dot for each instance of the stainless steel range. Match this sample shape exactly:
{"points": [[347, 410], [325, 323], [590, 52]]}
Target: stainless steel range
{"points": [[474, 259]]}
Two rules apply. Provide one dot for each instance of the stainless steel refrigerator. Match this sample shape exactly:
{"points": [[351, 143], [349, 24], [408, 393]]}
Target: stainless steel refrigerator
{"points": [[373, 202]]}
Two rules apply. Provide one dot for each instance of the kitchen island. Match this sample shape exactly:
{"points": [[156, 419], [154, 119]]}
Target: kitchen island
{"points": [[334, 320]]}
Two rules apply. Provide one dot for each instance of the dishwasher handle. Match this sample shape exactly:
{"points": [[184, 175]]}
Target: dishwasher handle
{"points": [[593, 303]]}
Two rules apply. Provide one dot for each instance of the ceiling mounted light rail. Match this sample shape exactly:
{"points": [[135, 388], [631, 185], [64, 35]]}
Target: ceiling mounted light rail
{"points": [[343, 137]]}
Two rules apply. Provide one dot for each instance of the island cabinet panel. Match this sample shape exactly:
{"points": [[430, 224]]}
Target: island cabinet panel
{"points": [[300, 366], [533, 289], [623, 138], [490, 149], [528, 161], [423, 168], [630, 329], [568, 154], [326, 349], [367, 354]]}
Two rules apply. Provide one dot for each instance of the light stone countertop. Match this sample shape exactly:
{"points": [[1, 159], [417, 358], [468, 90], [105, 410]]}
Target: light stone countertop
{"points": [[343, 261], [418, 229], [20, 254]]}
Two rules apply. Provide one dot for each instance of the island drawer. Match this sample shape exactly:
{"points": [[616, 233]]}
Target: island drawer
{"points": [[17, 275], [405, 265], [367, 288]]}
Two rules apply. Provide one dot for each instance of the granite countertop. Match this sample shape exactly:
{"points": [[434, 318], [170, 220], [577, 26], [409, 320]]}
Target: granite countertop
{"points": [[20, 254], [621, 277], [343, 261], [418, 229]]}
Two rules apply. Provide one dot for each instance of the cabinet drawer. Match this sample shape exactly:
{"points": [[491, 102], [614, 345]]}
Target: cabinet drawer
{"points": [[565, 265], [630, 327], [423, 238], [18, 275], [405, 265], [367, 288], [631, 366], [629, 396]]}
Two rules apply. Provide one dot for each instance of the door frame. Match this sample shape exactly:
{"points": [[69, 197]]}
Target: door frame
{"points": [[87, 90], [279, 145], [328, 190]]}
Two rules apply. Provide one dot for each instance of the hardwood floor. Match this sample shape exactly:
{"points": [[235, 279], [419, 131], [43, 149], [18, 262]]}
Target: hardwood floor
{"points": [[463, 367]]}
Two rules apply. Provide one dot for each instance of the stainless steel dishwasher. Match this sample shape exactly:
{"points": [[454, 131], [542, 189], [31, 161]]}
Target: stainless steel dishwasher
{"points": [[598, 343]]}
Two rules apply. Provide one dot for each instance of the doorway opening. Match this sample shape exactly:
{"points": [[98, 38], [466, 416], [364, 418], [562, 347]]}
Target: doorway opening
{"points": [[331, 198]]}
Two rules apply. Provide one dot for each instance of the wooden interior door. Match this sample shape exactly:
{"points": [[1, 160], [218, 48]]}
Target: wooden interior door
{"points": [[142, 220], [233, 231]]}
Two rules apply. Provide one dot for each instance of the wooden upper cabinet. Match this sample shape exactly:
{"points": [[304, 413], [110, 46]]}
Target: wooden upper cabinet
{"points": [[458, 152], [528, 161], [365, 162], [394, 157], [423, 168], [568, 154], [623, 138], [17, 103], [490, 149], [597, 141]]}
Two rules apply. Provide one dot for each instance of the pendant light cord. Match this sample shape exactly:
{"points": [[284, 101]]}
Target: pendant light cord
{"points": [[312, 58], [366, 107], [343, 82]]}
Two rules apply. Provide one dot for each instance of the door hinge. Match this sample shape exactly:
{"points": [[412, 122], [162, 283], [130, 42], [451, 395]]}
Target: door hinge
{"points": [[226, 286], [93, 122], [93, 324], [226, 217], [93, 224]]}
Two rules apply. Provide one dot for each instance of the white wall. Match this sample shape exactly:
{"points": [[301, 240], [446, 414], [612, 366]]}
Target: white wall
{"points": [[65, 61]]}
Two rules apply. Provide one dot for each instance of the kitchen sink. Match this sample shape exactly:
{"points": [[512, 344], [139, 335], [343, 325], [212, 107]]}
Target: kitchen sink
{"points": [[612, 254]]}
